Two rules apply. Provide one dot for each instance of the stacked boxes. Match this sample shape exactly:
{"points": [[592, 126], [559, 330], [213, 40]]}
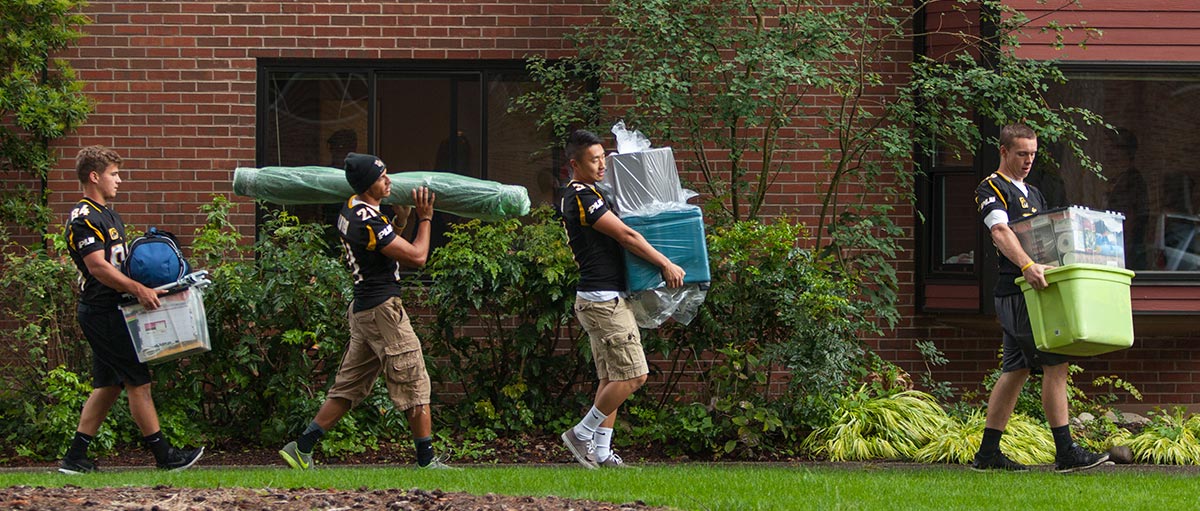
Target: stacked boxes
{"points": [[177, 328], [1073, 235], [1086, 310], [679, 235], [645, 188]]}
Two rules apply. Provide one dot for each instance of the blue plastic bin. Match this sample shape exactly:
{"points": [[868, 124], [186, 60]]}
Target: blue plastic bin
{"points": [[679, 235]]}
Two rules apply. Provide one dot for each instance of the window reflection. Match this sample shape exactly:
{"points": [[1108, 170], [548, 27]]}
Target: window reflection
{"points": [[1151, 175]]}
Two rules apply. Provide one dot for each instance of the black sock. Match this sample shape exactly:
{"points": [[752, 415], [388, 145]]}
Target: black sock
{"points": [[424, 450], [158, 445], [312, 434], [991, 442], [79, 446], [1062, 439]]}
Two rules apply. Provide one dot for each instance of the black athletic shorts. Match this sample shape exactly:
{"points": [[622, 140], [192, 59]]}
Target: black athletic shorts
{"points": [[113, 360], [1020, 352]]}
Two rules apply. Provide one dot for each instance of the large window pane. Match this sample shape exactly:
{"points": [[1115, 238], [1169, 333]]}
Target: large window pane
{"points": [[1151, 172], [956, 222], [518, 152], [315, 119], [447, 117]]}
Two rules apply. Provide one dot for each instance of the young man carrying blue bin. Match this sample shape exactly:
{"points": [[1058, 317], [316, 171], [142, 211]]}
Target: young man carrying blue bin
{"points": [[596, 237], [96, 243], [1003, 197]]}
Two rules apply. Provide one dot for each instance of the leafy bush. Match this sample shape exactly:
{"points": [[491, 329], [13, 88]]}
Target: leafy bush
{"points": [[39, 404], [739, 419], [786, 305], [1171, 438], [866, 427], [770, 305], [277, 324], [503, 294], [1029, 402], [1025, 441]]}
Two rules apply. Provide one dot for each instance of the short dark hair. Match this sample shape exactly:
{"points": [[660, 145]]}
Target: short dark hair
{"points": [[580, 140], [94, 158], [1014, 131]]}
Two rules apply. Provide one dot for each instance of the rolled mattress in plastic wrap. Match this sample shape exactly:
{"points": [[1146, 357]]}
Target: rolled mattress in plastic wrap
{"points": [[455, 194]]}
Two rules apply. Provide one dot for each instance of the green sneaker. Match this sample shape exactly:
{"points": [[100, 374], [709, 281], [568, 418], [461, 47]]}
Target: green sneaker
{"points": [[298, 460], [438, 463]]}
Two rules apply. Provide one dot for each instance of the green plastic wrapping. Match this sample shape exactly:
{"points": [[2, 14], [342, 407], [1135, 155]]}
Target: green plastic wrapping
{"points": [[455, 194]]}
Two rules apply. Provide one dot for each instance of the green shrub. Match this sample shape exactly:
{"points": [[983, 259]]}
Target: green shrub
{"points": [[277, 324], [1025, 441], [867, 427], [739, 420], [783, 304], [1029, 402], [503, 294], [1171, 438]]}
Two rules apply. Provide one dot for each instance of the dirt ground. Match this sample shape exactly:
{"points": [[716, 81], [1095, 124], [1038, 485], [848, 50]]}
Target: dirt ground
{"points": [[163, 498]]}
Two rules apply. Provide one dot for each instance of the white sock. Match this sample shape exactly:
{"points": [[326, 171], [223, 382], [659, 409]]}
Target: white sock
{"points": [[586, 428], [603, 442]]}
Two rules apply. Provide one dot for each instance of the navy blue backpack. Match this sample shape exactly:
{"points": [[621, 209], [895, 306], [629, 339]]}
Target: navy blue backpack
{"points": [[155, 259]]}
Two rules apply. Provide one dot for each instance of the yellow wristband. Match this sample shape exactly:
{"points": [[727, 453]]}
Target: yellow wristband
{"points": [[1026, 267]]}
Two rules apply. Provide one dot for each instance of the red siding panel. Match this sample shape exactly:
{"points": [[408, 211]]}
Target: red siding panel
{"points": [[1131, 30]]}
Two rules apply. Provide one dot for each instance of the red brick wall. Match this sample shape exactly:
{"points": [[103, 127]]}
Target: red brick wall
{"points": [[175, 89], [175, 81]]}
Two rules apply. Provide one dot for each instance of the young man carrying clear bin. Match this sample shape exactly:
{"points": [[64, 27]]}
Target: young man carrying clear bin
{"points": [[596, 237], [1002, 197], [96, 243]]}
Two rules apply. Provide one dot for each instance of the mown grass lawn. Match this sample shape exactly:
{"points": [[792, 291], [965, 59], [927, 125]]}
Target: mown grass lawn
{"points": [[718, 486]]}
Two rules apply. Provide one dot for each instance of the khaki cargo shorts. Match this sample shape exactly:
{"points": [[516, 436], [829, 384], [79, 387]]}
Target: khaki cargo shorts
{"points": [[616, 342], [381, 338]]}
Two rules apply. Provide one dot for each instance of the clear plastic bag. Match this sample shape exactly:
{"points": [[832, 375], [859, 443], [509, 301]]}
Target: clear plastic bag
{"points": [[644, 185]]}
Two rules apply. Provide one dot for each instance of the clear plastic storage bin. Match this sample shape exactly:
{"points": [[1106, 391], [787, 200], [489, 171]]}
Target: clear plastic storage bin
{"points": [[176, 329], [1073, 235]]}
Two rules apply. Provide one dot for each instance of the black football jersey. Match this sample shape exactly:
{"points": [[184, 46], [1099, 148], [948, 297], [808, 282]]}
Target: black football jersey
{"points": [[600, 258], [997, 192], [92, 228], [364, 231]]}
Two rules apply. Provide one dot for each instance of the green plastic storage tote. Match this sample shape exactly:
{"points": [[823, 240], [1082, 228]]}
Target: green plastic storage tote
{"points": [[1085, 311]]}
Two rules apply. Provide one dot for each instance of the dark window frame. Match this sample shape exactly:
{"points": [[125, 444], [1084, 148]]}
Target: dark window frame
{"points": [[985, 162], [373, 69]]}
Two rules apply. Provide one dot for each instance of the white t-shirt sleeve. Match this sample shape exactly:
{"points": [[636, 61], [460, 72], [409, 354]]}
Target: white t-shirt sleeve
{"points": [[996, 217]]}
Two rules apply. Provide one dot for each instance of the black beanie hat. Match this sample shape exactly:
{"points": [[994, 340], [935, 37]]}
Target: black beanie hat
{"points": [[362, 170]]}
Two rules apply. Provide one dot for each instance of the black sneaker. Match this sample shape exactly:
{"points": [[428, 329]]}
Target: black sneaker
{"points": [[996, 461], [1078, 459], [180, 459], [76, 467]]}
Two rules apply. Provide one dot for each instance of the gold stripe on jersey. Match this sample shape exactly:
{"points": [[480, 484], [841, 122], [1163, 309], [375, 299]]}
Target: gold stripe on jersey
{"points": [[998, 194], [370, 237], [582, 215], [94, 229]]}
